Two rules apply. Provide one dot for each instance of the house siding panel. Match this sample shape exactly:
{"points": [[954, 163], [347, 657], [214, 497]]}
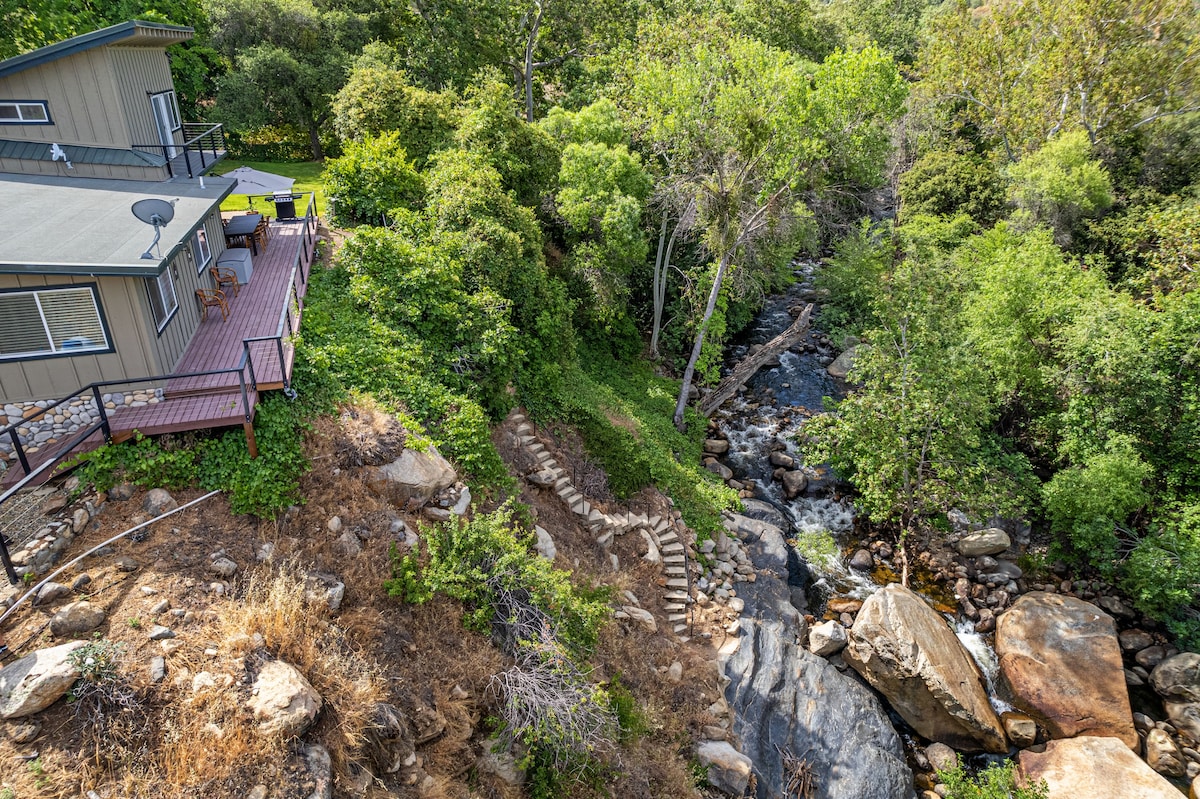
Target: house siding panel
{"points": [[122, 301], [140, 72], [85, 106], [27, 167]]}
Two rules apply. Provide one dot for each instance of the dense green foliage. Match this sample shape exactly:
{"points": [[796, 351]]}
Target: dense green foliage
{"points": [[262, 486], [372, 179], [997, 781]]}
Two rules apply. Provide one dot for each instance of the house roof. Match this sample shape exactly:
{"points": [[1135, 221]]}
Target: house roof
{"points": [[55, 225], [77, 154], [135, 33]]}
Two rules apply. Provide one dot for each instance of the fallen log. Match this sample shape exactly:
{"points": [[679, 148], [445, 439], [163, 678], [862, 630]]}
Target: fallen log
{"points": [[751, 364]]}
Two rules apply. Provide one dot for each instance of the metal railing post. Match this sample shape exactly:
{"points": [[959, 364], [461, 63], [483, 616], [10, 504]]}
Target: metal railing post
{"points": [[20, 450], [9, 569], [250, 364], [287, 379], [100, 409]]}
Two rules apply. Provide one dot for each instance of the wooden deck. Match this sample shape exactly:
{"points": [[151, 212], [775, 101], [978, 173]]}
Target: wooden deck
{"points": [[215, 400]]}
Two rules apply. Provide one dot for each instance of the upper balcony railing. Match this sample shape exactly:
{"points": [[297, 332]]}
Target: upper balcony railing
{"points": [[202, 149]]}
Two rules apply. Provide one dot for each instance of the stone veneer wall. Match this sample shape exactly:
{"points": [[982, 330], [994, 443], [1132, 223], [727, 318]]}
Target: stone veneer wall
{"points": [[63, 420]]}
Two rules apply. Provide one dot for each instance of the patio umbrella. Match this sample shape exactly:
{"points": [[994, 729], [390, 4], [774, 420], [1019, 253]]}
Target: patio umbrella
{"points": [[252, 181]]}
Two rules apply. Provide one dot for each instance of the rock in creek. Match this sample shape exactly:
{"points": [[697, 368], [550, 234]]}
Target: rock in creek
{"points": [[991, 541], [1096, 768], [782, 695], [1060, 657], [908, 653]]}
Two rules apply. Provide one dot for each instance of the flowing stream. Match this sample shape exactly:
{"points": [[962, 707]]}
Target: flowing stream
{"points": [[772, 408]]}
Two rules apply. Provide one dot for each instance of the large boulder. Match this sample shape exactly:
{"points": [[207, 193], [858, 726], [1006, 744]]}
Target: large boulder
{"points": [[415, 477], [1096, 768], [1060, 658], [728, 769], [36, 681], [843, 363], [282, 701], [76, 618], [784, 698], [991, 541], [908, 653], [1177, 679]]}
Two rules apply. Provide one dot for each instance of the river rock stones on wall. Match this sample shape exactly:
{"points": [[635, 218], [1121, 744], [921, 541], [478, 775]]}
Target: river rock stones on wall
{"points": [[1060, 658], [1096, 768], [908, 653], [784, 696]]}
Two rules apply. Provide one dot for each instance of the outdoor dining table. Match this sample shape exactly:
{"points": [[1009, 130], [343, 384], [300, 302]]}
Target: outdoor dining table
{"points": [[242, 227]]}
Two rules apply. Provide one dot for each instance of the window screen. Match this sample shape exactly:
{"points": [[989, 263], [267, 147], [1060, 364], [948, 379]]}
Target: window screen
{"points": [[161, 290], [50, 322]]}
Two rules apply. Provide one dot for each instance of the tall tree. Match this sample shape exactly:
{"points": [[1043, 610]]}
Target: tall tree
{"points": [[745, 129], [289, 57], [1025, 70]]}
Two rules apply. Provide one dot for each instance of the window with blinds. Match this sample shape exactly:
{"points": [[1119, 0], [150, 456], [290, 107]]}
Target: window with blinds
{"points": [[163, 304], [50, 322]]}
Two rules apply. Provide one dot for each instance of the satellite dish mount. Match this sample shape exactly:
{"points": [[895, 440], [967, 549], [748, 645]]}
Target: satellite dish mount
{"points": [[159, 213]]}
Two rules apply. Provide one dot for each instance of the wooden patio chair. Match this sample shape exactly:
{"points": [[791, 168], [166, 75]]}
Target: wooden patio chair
{"points": [[209, 299], [262, 233], [225, 277]]}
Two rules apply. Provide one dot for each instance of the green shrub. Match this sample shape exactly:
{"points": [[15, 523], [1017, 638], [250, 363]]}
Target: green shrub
{"points": [[994, 782], [1163, 571], [943, 183], [371, 180]]}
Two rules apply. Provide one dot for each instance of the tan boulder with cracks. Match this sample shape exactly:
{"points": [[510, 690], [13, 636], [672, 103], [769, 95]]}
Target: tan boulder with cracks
{"points": [[1060, 657], [907, 652]]}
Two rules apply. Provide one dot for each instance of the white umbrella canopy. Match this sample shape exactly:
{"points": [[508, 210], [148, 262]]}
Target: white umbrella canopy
{"points": [[253, 181]]}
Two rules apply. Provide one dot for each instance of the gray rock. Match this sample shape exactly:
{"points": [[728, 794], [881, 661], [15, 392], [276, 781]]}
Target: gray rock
{"points": [[719, 469], [1135, 639], [161, 633], [463, 504], [940, 756], [1177, 679], [158, 669], [125, 563], [438, 514], [283, 701], [1163, 755], [781, 460], [158, 501], [827, 639], [794, 483], [325, 587], [862, 561], [81, 581], [991, 541], [334, 525], [545, 544], [728, 769], [500, 763], [50, 592], [642, 616], [222, 567], [783, 696], [348, 545], [716, 446], [842, 365], [320, 770], [76, 618], [414, 476], [23, 733], [36, 681], [79, 520]]}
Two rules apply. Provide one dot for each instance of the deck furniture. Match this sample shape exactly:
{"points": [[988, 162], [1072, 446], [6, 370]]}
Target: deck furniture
{"points": [[223, 276], [240, 231], [212, 299]]}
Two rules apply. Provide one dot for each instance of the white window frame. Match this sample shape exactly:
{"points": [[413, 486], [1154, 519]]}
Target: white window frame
{"points": [[21, 118], [103, 346], [201, 251], [170, 308], [172, 107]]}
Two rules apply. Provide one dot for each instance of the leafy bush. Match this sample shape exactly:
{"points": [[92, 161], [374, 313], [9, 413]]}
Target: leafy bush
{"points": [[1060, 184], [945, 183], [994, 782], [378, 100], [1163, 571], [373, 179]]}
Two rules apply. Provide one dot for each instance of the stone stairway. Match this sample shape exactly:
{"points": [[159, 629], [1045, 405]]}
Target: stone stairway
{"points": [[662, 535]]}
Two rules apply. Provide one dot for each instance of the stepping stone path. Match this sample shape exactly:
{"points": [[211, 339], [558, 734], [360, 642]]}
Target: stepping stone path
{"points": [[663, 533]]}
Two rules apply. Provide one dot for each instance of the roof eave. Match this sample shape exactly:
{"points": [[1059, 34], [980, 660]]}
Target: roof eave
{"points": [[156, 32]]}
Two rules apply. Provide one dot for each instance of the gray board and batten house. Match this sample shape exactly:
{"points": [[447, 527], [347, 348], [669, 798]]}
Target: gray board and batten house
{"points": [[99, 328]]}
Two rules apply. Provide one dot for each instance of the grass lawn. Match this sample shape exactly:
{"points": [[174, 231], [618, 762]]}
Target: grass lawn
{"points": [[306, 173]]}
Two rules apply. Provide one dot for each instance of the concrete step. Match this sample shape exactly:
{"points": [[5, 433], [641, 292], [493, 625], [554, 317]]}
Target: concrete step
{"points": [[605, 540], [580, 506], [675, 571], [653, 521], [563, 482], [679, 583], [672, 547], [672, 559], [679, 617], [524, 428], [674, 607], [667, 537], [536, 447], [680, 629], [676, 596]]}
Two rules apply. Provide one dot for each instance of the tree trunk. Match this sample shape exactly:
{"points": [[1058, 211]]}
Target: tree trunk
{"points": [[749, 366], [658, 309], [527, 76], [690, 371], [314, 141]]}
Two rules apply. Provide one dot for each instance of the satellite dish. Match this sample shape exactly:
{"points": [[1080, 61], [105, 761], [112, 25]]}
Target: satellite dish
{"points": [[154, 211]]}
